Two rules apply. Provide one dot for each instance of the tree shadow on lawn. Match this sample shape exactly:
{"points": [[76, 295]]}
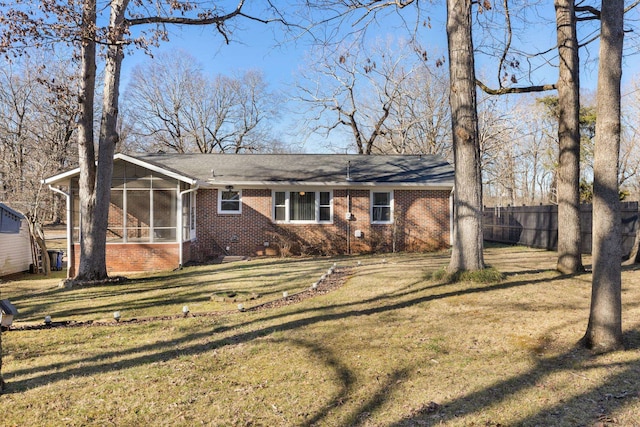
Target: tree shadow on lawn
{"points": [[472, 403], [177, 347], [602, 399], [165, 283]]}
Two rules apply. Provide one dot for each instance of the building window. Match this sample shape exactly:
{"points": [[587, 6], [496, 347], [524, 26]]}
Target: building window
{"points": [[229, 201], [381, 207], [303, 206]]}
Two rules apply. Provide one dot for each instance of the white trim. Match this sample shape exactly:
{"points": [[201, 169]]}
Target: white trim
{"points": [[229, 212], [391, 206], [315, 185]]}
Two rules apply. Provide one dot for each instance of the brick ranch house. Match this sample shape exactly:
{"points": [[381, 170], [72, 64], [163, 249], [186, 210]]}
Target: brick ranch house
{"points": [[169, 210]]}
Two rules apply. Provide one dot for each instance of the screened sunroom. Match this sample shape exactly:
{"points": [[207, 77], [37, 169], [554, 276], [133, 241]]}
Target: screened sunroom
{"points": [[151, 215], [146, 207]]}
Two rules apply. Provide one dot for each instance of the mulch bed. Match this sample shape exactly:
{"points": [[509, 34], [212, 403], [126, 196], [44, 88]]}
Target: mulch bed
{"points": [[326, 284]]}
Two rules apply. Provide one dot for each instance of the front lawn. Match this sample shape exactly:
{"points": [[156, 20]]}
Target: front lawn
{"points": [[388, 347]]}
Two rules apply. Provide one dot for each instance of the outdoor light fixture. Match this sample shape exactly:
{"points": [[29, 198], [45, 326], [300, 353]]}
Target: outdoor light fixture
{"points": [[116, 316], [47, 320], [185, 310], [302, 193], [229, 187]]}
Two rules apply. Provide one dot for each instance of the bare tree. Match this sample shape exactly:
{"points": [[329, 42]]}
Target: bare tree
{"points": [[170, 104], [499, 150], [604, 331], [37, 122], [85, 32], [420, 122], [355, 90]]}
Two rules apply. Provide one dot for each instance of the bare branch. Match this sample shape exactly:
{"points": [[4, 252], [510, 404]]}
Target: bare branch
{"points": [[508, 90]]}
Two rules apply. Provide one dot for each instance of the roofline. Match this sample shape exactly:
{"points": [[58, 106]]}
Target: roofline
{"points": [[333, 184], [12, 211], [120, 156]]}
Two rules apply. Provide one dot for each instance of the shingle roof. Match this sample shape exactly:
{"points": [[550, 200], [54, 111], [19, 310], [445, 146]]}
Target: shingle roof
{"points": [[307, 169]]}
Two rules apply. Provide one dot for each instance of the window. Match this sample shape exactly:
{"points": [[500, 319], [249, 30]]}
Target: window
{"points": [[229, 201], [302, 206], [381, 207]]}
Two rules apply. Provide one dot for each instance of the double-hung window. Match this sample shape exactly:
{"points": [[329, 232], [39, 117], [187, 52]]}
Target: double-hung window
{"points": [[303, 206], [381, 207], [230, 201]]}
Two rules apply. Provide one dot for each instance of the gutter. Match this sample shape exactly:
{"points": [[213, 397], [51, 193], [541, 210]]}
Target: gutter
{"points": [[70, 253]]}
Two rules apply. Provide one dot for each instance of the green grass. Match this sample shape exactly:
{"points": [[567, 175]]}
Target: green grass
{"points": [[388, 348]]}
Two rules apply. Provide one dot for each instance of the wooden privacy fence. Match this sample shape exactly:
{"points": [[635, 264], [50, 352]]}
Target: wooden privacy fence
{"points": [[537, 226]]}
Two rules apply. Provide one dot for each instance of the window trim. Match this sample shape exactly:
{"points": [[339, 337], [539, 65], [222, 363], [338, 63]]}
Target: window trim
{"points": [[287, 196], [372, 206], [229, 212]]}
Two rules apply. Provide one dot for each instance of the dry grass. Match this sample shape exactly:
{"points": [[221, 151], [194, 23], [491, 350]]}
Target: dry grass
{"points": [[387, 348]]}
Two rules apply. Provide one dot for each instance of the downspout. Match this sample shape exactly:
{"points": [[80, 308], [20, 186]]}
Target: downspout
{"points": [[180, 224], [70, 253]]}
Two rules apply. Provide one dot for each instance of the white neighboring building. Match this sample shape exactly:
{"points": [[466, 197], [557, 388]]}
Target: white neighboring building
{"points": [[15, 244]]}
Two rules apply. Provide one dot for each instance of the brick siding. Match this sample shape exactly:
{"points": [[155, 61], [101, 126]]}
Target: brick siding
{"points": [[421, 223], [129, 257]]}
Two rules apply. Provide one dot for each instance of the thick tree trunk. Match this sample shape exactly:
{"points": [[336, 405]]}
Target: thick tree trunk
{"points": [[467, 215], [98, 194], [604, 331], [92, 262], [569, 239]]}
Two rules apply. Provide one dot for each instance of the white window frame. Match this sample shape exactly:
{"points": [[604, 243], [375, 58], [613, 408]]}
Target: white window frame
{"points": [[287, 195], [390, 205], [231, 212]]}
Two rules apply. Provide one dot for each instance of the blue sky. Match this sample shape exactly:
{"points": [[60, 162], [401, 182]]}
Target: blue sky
{"points": [[264, 47]]}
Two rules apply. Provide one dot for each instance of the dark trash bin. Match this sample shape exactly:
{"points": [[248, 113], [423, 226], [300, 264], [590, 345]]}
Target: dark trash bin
{"points": [[55, 260]]}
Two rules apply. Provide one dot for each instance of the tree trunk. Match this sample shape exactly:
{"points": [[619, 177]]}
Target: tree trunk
{"points": [[92, 262], [568, 193], [98, 195], [467, 211], [604, 331]]}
